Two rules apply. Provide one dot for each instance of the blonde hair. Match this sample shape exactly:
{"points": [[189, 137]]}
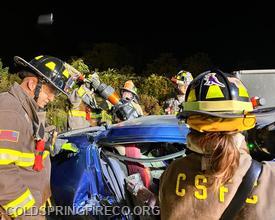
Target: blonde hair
{"points": [[224, 155]]}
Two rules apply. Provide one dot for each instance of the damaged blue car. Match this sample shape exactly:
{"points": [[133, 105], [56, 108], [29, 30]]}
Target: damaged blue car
{"points": [[116, 173]]}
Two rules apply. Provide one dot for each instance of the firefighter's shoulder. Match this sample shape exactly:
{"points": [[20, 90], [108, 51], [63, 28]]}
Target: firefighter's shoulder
{"points": [[14, 122], [12, 112]]}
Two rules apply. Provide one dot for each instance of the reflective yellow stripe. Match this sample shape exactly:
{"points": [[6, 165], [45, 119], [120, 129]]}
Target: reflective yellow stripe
{"points": [[66, 73], [94, 115], [25, 160], [81, 91], [229, 105], [106, 117], [8, 156], [19, 205], [243, 92], [192, 96], [51, 65], [78, 113], [214, 91], [38, 57], [45, 154]]}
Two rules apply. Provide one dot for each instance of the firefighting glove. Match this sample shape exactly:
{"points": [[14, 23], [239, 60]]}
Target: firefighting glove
{"points": [[94, 81], [63, 145], [82, 94]]}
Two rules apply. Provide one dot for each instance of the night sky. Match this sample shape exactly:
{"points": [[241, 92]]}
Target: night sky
{"points": [[234, 39]]}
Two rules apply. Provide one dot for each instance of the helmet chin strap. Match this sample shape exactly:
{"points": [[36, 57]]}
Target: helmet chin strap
{"points": [[37, 89]]}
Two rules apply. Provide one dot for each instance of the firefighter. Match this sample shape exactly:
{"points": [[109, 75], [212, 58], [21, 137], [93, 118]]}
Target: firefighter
{"points": [[82, 115], [129, 107], [201, 185], [91, 103], [181, 82], [24, 145]]}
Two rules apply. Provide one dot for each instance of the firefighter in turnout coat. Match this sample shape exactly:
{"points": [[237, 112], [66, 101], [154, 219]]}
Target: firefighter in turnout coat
{"points": [[24, 144], [181, 82], [202, 184]]}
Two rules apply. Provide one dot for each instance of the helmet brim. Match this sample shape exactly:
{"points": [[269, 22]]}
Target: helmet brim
{"points": [[263, 112], [186, 114], [20, 61]]}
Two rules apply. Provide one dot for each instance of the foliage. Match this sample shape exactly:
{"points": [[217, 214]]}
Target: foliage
{"points": [[7, 79], [57, 112], [150, 105], [115, 79], [156, 86], [151, 90], [80, 65], [58, 117]]}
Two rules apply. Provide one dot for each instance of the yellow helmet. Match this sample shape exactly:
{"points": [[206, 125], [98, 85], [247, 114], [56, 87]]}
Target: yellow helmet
{"points": [[130, 87], [217, 101]]}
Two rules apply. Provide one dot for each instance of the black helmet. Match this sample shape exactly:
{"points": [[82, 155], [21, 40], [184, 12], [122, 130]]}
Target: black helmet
{"points": [[50, 69], [218, 94]]}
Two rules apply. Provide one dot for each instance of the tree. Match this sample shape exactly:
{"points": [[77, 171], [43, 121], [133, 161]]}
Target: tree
{"points": [[159, 87], [80, 65], [150, 105], [6, 78], [57, 112]]}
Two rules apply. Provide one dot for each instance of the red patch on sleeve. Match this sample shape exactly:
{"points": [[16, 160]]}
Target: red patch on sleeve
{"points": [[9, 135]]}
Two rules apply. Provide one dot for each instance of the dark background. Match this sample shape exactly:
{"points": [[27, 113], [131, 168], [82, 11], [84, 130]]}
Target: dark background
{"points": [[233, 38]]}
